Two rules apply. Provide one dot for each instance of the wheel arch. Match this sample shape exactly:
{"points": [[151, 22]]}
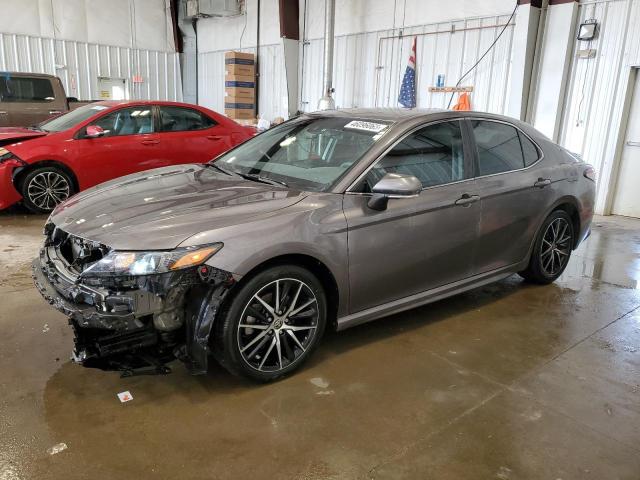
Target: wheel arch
{"points": [[569, 205], [20, 173], [318, 268]]}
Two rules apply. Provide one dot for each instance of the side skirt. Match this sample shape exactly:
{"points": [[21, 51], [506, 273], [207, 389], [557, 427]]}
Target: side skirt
{"points": [[428, 296]]}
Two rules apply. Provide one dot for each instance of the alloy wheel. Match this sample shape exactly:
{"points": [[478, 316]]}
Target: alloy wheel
{"points": [[278, 325], [48, 189], [556, 247]]}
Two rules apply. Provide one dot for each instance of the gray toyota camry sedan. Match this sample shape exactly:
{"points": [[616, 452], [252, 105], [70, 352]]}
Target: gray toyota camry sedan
{"points": [[329, 220]]}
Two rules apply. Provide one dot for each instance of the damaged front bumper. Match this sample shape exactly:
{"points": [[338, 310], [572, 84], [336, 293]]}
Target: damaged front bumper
{"points": [[135, 324]]}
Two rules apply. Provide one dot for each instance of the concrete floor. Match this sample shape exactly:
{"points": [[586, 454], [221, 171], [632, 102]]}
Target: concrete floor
{"points": [[510, 381]]}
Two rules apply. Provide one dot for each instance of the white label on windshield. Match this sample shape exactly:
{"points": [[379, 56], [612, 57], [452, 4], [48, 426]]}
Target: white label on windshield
{"points": [[368, 126], [98, 107]]}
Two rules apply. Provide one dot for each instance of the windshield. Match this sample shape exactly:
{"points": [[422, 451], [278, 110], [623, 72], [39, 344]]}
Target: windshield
{"points": [[308, 154], [71, 119]]}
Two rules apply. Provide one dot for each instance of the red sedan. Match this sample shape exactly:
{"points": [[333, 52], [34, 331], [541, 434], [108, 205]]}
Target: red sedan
{"points": [[45, 164]]}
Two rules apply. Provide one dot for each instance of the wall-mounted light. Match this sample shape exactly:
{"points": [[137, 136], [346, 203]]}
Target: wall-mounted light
{"points": [[588, 30]]}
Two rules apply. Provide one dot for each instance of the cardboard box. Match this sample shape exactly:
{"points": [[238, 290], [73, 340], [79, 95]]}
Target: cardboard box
{"points": [[239, 69], [239, 113], [241, 81], [239, 92], [250, 122], [239, 105], [238, 100], [239, 58]]}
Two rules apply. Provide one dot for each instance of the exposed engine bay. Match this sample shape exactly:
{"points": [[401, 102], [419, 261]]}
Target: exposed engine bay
{"points": [[135, 324]]}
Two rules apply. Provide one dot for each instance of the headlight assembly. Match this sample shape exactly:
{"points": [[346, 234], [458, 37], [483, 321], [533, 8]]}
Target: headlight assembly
{"points": [[148, 263]]}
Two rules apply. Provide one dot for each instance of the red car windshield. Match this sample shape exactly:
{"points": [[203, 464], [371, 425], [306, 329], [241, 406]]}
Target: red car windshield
{"points": [[71, 119]]}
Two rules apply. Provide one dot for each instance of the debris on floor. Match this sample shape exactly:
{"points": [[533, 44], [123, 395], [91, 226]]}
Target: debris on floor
{"points": [[57, 448], [45, 329], [125, 396], [319, 382]]}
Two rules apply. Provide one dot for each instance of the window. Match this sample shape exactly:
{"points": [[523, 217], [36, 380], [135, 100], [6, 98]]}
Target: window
{"points": [[433, 154], [178, 119], [306, 153], [501, 147], [24, 89], [127, 121], [72, 118], [529, 150]]}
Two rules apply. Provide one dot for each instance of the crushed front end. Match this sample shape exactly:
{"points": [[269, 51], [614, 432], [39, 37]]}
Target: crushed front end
{"points": [[135, 323]]}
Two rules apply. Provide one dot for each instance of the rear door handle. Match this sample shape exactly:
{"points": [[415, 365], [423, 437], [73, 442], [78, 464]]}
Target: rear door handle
{"points": [[2, 112], [214, 137], [467, 199], [542, 182], [150, 142]]}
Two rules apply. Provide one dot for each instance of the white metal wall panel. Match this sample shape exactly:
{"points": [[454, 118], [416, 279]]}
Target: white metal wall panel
{"points": [[594, 102], [368, 67], [272, 101], [79, 64]]}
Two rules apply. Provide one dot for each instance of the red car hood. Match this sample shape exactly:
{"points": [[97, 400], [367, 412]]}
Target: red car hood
{"points": [[15, 134]]}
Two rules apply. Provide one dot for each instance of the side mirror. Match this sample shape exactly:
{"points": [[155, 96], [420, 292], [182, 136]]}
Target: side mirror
{"points": [[94, 131], [394, 185]]}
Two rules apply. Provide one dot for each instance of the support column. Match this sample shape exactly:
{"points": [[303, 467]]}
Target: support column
{"points": [[523, 51], [290, 34], [555, 65]]}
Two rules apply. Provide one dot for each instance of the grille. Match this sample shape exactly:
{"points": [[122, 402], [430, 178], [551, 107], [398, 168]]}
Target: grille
{"points": [[77, 252]]}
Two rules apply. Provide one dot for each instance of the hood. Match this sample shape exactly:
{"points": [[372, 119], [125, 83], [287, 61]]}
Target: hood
{"points": [[158, 209], [16, 134]]}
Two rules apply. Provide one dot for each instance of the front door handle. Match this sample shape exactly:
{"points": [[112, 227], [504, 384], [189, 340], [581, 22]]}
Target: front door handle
{"points": [[150, 142], [542, 182], [467, 199], [214, 137], [3, 112]]}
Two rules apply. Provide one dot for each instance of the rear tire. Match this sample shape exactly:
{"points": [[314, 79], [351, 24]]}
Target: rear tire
{"points": [[272, 324], [551, 250], [44, 188]]}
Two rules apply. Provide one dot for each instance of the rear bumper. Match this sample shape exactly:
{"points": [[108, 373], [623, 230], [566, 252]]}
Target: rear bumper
{"points": [[8, 193]]}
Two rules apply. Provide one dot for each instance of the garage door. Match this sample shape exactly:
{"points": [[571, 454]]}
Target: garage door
{"points": [[627, 198]]}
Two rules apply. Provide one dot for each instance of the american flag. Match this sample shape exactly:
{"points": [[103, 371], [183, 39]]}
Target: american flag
{"points": [[407, 97]]}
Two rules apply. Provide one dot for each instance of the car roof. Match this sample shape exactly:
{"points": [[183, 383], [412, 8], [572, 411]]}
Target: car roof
{"points": [[382, 114], [408, 115], [115, 103], [26, 74]]}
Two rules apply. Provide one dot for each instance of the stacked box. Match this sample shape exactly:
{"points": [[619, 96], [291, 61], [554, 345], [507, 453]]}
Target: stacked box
{"points": [[239, 85]]}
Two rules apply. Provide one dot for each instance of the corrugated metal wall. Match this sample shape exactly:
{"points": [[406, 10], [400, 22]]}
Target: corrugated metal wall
{"points": [[272, 80], [593, 112], [368, 67], [80, 64]]}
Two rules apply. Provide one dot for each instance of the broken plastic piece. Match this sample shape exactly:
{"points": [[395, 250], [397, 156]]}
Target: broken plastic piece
{"points": [[125, 396], [57, 448]]}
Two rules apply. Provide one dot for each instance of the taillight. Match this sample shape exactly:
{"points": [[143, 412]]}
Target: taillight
{"points": [[590, 173]]}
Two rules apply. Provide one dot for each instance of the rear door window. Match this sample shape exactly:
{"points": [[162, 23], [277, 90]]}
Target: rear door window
{"points": [[127, 121], [179, 119], [499, 147], [25, 89]]}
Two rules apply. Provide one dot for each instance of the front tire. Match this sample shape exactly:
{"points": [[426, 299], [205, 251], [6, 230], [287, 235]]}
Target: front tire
{"points": [[44, 188], [551, 250], [272, 324]]}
